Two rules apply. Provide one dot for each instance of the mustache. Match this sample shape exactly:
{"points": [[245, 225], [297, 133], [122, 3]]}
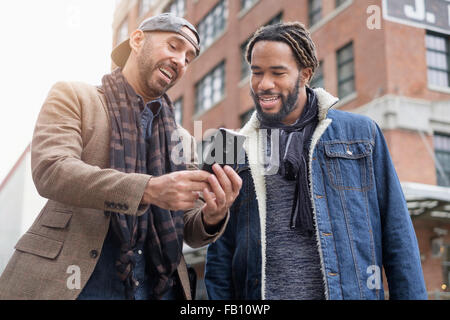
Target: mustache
{"points": [[265, 93], [171, 67]]}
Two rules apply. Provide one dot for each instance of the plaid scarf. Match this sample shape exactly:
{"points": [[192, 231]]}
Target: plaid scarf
{"points": [[158, 229]]}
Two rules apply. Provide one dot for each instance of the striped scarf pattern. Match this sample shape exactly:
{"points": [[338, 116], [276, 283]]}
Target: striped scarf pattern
{"points": [[160, 230]]}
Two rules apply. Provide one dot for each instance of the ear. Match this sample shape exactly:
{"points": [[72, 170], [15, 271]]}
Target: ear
{"points": [[306, 75], [137, 39]]}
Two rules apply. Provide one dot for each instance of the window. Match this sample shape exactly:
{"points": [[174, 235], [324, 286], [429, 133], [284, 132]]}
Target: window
{"points": [[144, 7], [213, 24], [245, 4], [438, 59], [317, 81], [339, 3], [245, 68], [211, 89], [122, 33], [346, 73], [176, 7], [442, 153], [178, 109], [315, 11]]}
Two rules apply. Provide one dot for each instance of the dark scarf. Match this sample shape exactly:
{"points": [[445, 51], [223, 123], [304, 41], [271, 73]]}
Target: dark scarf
{"points": [[158, 229], [294, 155]]}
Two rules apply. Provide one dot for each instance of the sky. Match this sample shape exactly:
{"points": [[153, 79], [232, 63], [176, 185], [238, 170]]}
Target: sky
{"points": [[45, 41]]}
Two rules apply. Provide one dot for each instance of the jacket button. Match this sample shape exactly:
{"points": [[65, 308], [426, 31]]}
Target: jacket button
{"points": [[93, 254]]}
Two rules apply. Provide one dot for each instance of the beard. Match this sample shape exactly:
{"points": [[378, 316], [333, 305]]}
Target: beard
{"points": [[288, 104], [147, 68]]}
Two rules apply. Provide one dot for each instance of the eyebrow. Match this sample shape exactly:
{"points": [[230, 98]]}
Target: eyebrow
{"points": [[271, 67], [180, 39]]}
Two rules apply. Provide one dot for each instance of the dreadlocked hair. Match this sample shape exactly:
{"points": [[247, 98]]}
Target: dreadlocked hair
{"points": [[293, 34]]}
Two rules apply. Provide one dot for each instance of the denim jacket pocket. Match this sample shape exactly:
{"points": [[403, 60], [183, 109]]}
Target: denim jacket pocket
{"points": [[349, 165]]}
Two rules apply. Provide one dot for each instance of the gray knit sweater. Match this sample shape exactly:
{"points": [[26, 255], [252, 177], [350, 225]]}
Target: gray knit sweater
{"points": [[292, 260]]}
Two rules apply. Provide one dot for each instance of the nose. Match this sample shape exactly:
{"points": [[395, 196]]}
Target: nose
{"points": [[179, 60], [266, 84]]}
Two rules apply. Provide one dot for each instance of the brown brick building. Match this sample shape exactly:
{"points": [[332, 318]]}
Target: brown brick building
{"points": [[387, 59]]}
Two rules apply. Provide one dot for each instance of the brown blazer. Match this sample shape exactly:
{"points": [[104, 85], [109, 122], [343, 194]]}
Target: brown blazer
{"points": [[69, 160]]}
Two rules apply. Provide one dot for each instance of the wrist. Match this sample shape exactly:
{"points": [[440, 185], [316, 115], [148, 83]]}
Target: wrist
{"points": [[212, 226], [148, 196]]}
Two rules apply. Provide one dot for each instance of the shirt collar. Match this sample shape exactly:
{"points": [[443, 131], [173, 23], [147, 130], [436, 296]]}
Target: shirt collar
{"points": [[156, 102]]}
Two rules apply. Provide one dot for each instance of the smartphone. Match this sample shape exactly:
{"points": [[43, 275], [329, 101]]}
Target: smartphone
{"points": [[226, 148]]}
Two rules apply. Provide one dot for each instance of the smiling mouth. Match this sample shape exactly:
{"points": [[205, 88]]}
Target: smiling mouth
{"points": [[169, 74], [268, 102]]}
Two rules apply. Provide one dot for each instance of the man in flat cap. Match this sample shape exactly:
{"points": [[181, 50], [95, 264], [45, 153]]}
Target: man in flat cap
{"points": [[120, 200]]}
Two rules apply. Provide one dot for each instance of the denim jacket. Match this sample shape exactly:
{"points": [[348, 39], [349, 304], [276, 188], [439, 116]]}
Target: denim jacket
{"points": [[361, 217]]}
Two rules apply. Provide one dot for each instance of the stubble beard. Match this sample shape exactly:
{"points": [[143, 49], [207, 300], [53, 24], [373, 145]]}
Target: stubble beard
{"points": [[288, 104], [147, 69]]}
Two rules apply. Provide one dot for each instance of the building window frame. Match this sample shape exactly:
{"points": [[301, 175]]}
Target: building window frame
{"points": [[318, 80], [339, 3], [178, 110], [210, 90], [246, 5], [442, 154], [345, 63], [433, 53], [177, 7], [314, 13], [215, 20]]}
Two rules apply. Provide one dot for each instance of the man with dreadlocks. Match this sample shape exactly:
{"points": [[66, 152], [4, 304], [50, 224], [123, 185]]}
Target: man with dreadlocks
{"points": [[321, 210], [111, 161]]}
